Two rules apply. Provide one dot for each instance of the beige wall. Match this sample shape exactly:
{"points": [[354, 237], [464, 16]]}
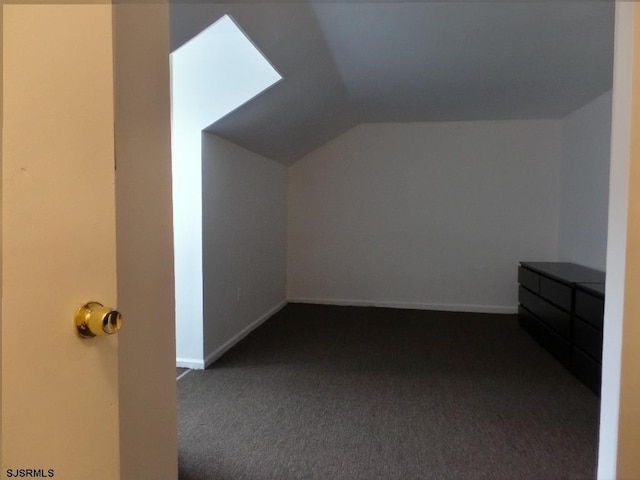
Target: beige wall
{"points": [[60, 393], [145, 250], [619, 414], [629, 433], [1, 189]]}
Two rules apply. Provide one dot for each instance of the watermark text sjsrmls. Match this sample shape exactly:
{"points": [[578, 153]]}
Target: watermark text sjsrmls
{"points": [[30, 473]]}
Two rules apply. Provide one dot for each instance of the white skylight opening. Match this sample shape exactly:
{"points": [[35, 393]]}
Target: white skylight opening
{"points": [[212, 74], [217, 71]]}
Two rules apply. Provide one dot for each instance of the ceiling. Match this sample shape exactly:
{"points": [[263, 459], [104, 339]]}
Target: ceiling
{"points": [[348, 62]]}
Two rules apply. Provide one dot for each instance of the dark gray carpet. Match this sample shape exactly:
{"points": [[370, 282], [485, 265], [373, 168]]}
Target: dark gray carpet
{"points": [[330, 393]]}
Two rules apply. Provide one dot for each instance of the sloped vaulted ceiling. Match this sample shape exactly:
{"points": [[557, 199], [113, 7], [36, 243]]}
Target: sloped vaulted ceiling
{"points": [[346, 63]]}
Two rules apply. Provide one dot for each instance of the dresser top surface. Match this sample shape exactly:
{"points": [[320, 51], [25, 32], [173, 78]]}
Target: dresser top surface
{"points": [[567, 272], [593, 288]]}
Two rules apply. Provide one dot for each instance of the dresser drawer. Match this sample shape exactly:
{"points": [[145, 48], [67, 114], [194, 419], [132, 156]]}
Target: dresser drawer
{"points": [[590, 308], [529, 278], [551, 341], [553, 317], [561, 305], [557, 293], [588, 338], [586, 369]]}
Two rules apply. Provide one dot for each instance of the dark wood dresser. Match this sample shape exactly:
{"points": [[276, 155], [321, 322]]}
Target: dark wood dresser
{"points": [[562, 306]]}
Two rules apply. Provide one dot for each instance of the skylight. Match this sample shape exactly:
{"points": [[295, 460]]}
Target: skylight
{"points": [[217, 71]]}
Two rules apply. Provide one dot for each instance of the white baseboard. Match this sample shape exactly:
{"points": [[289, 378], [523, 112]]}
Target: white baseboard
{"points": [[192, 363], [410, 305], [218, 352]]}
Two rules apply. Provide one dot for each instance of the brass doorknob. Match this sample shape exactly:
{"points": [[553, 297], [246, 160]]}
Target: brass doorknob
{"points": [[93, 319]]}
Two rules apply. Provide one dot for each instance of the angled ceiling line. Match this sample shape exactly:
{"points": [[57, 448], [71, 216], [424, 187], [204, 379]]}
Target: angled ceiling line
{"points": [[368, 62]]}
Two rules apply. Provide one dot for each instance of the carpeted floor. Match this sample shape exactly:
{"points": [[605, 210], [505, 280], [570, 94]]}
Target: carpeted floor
{"points": [[331, 393]]}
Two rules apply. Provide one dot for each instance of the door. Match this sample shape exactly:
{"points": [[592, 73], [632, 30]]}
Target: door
{"points": [[77, 229], [619, 413]]}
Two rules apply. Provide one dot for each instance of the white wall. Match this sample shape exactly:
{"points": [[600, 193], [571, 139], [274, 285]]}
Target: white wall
{"points": [[619, 415], [425, 215], [585, 184], [212, 74], [244, 241]]}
